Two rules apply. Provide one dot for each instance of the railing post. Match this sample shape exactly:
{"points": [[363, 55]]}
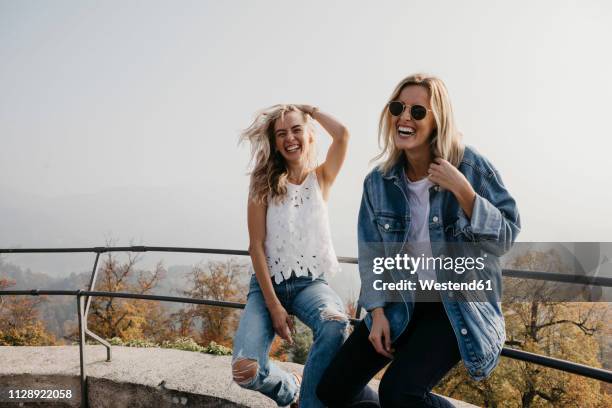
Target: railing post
{"points": [[92, 284], [99, 340], [81, 312]]}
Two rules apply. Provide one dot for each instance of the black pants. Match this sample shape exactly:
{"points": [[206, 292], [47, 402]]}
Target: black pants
{"points": [[423, 354]]}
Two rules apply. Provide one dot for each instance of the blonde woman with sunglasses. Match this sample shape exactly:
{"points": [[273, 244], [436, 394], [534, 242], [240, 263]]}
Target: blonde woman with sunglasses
{"points": [[431, 197]]}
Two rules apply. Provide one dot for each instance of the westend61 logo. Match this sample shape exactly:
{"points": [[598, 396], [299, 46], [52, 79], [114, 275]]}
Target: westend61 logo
{"points": [[413, 264]]}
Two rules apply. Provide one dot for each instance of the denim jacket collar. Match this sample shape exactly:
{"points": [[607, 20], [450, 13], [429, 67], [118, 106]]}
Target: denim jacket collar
{"points": [[395, 173]]}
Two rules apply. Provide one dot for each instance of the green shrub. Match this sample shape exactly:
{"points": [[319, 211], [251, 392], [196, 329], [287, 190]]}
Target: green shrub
{"points": [[217, 349], [181, 343]]}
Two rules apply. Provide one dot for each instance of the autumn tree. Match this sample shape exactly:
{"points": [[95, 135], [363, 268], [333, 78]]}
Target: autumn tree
{"points": [[183, 322], [128, 319], [539, 322], [20, 323], [214, 280]]}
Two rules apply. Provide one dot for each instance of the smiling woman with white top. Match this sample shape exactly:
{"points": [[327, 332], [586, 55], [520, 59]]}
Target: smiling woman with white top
{"points": [[291, 251]]}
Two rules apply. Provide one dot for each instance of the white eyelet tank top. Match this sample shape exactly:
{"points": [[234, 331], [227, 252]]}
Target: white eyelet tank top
{"points": [[298, 238]]}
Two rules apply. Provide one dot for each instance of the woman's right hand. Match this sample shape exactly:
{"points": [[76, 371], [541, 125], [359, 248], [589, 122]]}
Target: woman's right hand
{"points": [[380, 333], [282, 322]]}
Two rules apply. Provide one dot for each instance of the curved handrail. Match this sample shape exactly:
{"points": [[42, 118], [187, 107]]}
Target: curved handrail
{"points": [[82, 306], [510, 273]]}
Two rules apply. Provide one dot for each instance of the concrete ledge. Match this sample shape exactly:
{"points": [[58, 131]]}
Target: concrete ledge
{"points": [[137, 377]]}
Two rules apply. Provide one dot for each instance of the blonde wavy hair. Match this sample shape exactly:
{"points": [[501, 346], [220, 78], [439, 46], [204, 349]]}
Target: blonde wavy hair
{"points": [[445, 141], [268, 167]]}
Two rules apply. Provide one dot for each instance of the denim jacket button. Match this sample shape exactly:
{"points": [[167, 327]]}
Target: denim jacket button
{"points": [[464, 331], [386, 226], [435, 218], [437, 188]]}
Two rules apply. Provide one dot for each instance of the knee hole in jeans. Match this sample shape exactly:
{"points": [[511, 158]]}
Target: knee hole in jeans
{"points": [[244, 371], [335, 323], [329, 313]]}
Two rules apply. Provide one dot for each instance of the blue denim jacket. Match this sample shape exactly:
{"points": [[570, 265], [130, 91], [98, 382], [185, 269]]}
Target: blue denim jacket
{"points": [[384, 217]]}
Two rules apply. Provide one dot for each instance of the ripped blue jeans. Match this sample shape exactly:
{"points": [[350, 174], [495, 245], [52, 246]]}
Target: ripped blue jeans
{"points": [[317, 306]]}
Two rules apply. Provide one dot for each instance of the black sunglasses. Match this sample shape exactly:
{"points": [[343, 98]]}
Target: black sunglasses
{"points": [[417, 112]]}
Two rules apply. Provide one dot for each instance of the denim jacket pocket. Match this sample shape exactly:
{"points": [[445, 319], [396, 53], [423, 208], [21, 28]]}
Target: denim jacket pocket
{"points": [[392, 227], [452, 228]]}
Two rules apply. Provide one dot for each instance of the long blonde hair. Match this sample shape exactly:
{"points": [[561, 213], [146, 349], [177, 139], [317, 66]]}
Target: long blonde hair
{"points": [[445, 141], [268, 167]]}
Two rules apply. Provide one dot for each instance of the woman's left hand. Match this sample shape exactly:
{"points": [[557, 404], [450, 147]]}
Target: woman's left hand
{"points": [[309, 109], [447, 176]]}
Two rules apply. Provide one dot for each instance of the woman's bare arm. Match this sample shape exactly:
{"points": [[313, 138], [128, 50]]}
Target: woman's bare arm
{"points": [[256, 218], [336, 154]]}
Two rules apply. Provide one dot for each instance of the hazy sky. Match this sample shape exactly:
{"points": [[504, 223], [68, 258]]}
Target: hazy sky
{"points": [[119, 119]]}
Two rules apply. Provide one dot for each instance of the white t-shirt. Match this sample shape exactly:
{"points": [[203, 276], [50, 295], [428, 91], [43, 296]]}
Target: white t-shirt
{"points": [[419, 243]]}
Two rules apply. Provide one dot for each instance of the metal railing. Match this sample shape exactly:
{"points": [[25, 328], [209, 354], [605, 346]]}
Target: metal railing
{"points": [[83, 300]]}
